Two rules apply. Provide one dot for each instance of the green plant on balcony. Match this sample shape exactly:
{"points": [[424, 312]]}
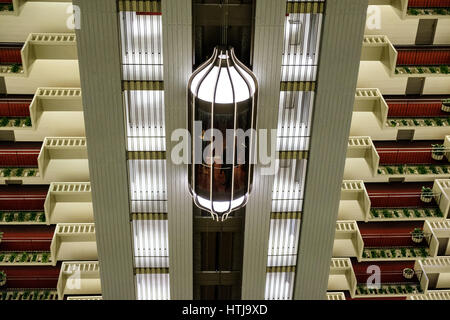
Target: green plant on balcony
{"points": [[444, 169], [27, 122], [383, 254], [417, 213], [34, 258], [406, 213], [393, 253], [2, 215], [42, 217], [393, 123], [45, 257], [439, 213], [403, 252], [411, 170], [23, 257], [12, 257], [6, 172], [408, 273], [364, 255], [373, 254], [408, 70], [2, 256], [389, 170], [420, 69], [25, 295], [31, 173], [412, 252], [387, 214], [437, 151], [413, 12], [9, 217], [19, 172], [427, 212], [426, 194], [422, 170], [396, 214], [391, 290], [409, 289], [379, 171], [17, 122], [15, 68], [423, 252], [417, 235], [432, 69], [439, 122], [416, 123], [2, 278], [428, 122], [433, 169], [21, 216], [400, 169], [375, 213], [32, 216], [440, 11], [444, 69], [4, 122], [404, 122]]}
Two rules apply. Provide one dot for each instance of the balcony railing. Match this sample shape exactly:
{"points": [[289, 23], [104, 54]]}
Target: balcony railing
{"points": [[19, 154]]}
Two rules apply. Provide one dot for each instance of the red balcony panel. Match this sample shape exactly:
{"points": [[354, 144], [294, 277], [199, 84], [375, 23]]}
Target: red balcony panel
{"points": [[397, 195], [387, 234], [23, 198], [406, 152], [391, 272], [6, 1], [15, 108], [10, 55], [45, 277], [26, 238], [423, 57], [19, 154], [415, 109], [429, 3]]}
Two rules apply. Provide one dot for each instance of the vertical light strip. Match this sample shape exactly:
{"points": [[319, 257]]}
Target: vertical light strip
{"points": [[142, 64], [299, 65]]}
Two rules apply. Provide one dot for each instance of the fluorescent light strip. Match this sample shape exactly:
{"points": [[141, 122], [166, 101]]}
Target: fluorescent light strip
{"points": [[141, 39], [295, 113], [151, 243], [279, 285], [289, 179], [153, 286], [148, 187], [145, 120]]}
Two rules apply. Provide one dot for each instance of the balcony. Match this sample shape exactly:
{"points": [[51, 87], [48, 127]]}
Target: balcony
{"points": [[394, 201], [26, 245], [19, 160], [341, 277], [384, 160], [432, 295], [22, 204], [397, 241], [347, 240], [394, 280], [384, 117], [74, 242], [362, 159], [55, 112], [437, 270], [15, 112], [404, 201], [79, 278], [414, 61], [355, 202], [18, 60], [69, 203], [399, 158], [58, 155], [30, 278], [401, 63]]}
